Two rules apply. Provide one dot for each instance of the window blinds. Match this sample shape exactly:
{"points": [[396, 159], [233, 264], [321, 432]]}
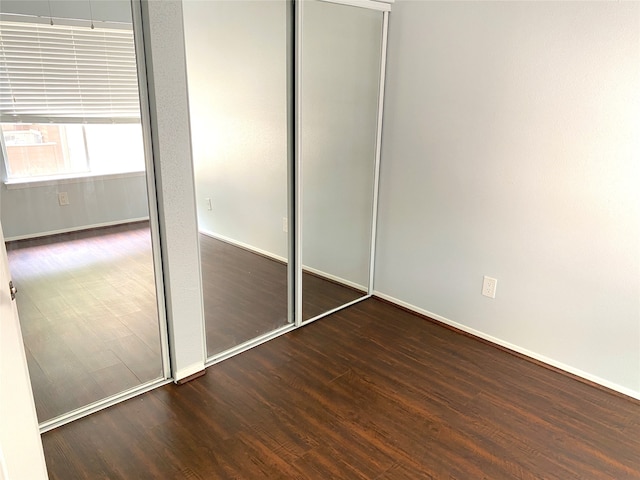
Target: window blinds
{"points": [[65, 74]]}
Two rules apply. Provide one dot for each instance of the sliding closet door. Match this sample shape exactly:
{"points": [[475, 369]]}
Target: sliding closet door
{"points": [[237, 53], [340, 69], [75, 205]]}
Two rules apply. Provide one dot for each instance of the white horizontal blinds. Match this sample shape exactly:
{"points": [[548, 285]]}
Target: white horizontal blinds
{"points": [[64, 74]]}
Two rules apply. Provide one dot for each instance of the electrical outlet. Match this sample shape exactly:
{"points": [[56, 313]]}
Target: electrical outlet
{"points": [[489, 287], [63, 198], [285, 224], [209, 206]]}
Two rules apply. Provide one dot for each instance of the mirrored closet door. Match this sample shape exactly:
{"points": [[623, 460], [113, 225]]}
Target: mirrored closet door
{"points": [[238, 78], [340, 61], [76, 207], [284, 127]]}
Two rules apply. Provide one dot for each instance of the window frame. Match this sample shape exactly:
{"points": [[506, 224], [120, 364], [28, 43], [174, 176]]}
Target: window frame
{"points": [[129, 116]]}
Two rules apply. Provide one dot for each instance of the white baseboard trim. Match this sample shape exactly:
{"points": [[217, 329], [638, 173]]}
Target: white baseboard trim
{"points": [[75, 229], [267, 254], [536, 356], [246, 246], [188, 371], [334, 278]]}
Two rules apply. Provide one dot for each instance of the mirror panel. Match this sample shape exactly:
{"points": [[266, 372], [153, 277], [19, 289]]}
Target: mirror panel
{"points": [[237, 74], [75, 207], [341, 60]]}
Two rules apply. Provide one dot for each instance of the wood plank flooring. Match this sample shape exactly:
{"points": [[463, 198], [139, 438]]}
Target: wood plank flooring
{"points": [[370, 392], [88, 309], [245, 294], [88, 314]]}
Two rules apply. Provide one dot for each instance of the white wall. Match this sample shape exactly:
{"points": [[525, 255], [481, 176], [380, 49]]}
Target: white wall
{"points": [[237, 71], [511, 149], [34, 210]]}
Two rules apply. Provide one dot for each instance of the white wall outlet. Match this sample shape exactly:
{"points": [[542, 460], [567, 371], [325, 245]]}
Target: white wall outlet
{"points": [[285, 224], [63, 198], [489, 287], [209, 205]]}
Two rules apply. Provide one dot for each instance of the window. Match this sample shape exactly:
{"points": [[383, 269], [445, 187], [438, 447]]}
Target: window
{"points": [[68, 100], [38, 150]]}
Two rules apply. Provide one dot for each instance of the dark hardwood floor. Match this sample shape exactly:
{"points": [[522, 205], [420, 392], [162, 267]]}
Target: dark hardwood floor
{"points": [[370, 392]]}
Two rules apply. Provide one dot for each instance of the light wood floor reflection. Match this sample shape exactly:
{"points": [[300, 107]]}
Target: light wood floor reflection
{"points": [[245, 294], [88, 314]]}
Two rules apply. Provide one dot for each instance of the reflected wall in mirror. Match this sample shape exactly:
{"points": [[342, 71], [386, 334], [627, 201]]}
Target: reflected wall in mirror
{"points": [[74, 204], [237, 74], [341, 61]]}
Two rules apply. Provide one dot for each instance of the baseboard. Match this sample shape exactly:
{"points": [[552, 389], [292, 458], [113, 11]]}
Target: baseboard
{"points": [[521, 352], [192, 371], [244, 246], [334, 278], [273, 256], [75, 229], [193, 376]]}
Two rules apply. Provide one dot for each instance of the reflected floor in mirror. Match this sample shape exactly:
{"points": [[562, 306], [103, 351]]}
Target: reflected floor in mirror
{"points": [[88, 314], [245, 294]]}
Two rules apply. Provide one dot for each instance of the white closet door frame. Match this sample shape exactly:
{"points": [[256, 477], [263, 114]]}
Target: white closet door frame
{"points": [[297, 164], [376, 178], [145, 121], [383, 6]]}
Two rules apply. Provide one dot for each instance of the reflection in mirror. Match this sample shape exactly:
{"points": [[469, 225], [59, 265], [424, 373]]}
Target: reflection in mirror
{"points": [[75, 207], [341, 59], [237, 74]]}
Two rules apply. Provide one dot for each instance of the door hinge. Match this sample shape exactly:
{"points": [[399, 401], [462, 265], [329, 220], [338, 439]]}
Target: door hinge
{"points": [[13, 290]]}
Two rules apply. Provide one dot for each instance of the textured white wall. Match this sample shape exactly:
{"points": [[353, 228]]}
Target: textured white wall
{"points": [[166, 75], [511, 148], [237, 67]]}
